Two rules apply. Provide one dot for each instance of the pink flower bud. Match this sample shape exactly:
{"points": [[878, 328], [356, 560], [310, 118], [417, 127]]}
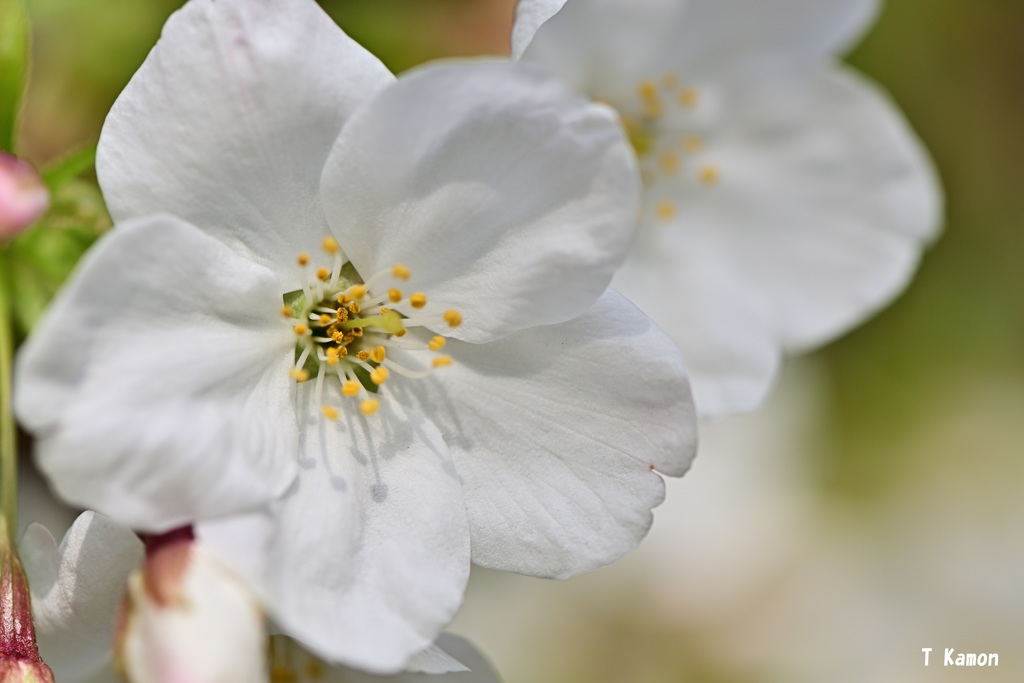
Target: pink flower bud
{"points": [[186, 619], [23, 197], [19, 657]]}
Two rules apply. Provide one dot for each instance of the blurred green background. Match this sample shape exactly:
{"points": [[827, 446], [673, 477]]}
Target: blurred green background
{"points": [[873, 508]]}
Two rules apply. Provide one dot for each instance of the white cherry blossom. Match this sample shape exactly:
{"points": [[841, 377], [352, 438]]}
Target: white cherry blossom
{"points": [[371, 313], [785, 199]]}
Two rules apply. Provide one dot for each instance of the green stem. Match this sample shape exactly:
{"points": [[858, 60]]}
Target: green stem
{"points": [[8, 435]]}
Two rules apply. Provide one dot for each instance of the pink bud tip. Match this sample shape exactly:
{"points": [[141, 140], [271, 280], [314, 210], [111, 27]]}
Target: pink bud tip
{"points": [[23, 197]]}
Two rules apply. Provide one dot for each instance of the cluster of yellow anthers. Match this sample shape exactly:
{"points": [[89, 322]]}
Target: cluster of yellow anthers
{"points": [[345, 328], [661, 155]]}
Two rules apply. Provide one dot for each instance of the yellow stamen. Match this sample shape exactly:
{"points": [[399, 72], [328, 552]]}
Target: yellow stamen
{"points": [[693, 144], [689, 97], [303, 259], [436, 344], [369, 406], [453, 318], [442, 361], [351, 387], [357, 291], [333, 356], [666, 209], [287, 311], [301, 329], [354, 308], [330, 245], [299, 375], [670, 162], [401, 332], [330, 412], [344, 298], [649, 99], [395, 295], [418, 300], [363, 355], [709, 175], [324, 320], [401, 272], [379, 375], [322, 274], [377, 354]]}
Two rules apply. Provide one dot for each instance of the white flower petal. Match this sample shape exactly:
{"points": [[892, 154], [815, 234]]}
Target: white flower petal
{"points": [[557, 432], [508, 197], [530, 16], [680, 279], [76, 589], [601, 47], [157, 383], [371, 553], [824, 202], [229, 120], [479, 670], [605, 47]]}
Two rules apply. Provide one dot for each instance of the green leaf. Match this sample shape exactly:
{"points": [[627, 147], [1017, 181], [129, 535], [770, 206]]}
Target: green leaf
{"points": [[69, 167], [13, 66]]}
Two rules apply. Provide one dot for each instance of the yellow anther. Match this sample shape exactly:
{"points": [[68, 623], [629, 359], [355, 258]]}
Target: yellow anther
{"points": [[342, 314], [330, 412], [401, 332], [354, 332], [299, 375], [401, 272], [354, 307], [332, 356], [453, 318], [670, 162], [649, 99], [363, 355], [377, 354], [442, 361], [330, 245], [689, 97], [287, 311], [322, 273], [357, 291], [342, 352], [344, 298], [418, 300], [384, 309], [666, 209], [436, 344], [670, 80], [693, 144], [301, 329], [379, 375], [351, 387], [369, 406], [709, 175], [324, 320], [303, 259], [395, 295]]}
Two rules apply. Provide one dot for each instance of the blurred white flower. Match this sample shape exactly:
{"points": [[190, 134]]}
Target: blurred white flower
{"points": [[23, 197], [165, 387], [785, 197]]}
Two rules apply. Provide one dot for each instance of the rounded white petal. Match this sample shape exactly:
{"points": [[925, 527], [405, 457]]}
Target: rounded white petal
{"points": [[201, 625], [606, 47], [76, 589], [157, 383], [371, 551], [559, 432], [229, 120], [508, 197], [824, 203]]}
